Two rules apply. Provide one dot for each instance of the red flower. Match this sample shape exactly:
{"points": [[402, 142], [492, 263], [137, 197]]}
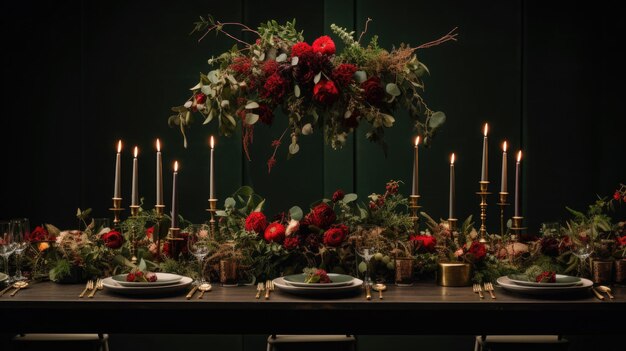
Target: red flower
{"points": [[335, 235], [621, 240], [426, 242], [617, 196], [373, 92], [130, 277], [113, 239], [269, 67], [324, 45], [291, 242], [200, 98], [275, 88], [546, 277], [242, 65], [343, 74], [256, 222], [322, 216], [325, 92], [478, 250], [392, 187], [38, 234], [275, 232], [150, 232], [338, 195], [300, 48]]}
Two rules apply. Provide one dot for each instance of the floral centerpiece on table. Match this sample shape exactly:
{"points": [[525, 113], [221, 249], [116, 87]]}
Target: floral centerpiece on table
{"points": [[313, 84]]}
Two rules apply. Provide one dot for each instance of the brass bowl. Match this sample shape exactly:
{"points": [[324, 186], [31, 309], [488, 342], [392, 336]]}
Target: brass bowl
{"points": [[454, 274]]}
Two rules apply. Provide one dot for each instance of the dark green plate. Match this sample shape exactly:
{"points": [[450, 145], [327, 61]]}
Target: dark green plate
{"points": [[336, 280], [561, 280]]}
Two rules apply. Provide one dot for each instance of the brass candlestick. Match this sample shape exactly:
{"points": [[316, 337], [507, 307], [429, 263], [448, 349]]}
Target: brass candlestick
{"points": [[517, 227], [483, 209], [156, 234], [502, 204], [134, 210], [212, 211], [453, 224], [117, 208], [414, 207]]}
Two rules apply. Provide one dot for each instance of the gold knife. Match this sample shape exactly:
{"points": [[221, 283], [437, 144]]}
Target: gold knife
{"points": [[193, 291], [598, 295], [368, 293]]}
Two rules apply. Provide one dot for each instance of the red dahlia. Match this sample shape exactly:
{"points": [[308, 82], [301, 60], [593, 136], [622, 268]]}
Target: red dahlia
{"points": [[256, 222], [242, 65], [324, 45], [426, 242], [275, 232], [269, 67], [300, 48], [325, 92], [291, 242], [343, 74], [335, 235], [275, 88], [321, 216], [373, 92], [478, 250]]}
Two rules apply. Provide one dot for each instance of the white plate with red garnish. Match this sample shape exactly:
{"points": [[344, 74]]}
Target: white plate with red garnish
{"points": [[115, 286], [328, 281], [508, 284], [317, 282], [135, 279], [545, 279]]}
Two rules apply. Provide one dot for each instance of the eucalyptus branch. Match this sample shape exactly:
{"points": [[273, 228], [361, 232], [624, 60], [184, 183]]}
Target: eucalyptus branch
{"points": [[448, 37]]}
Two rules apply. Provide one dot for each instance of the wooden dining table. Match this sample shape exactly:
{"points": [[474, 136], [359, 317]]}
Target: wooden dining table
{"points": [[424, 308]]}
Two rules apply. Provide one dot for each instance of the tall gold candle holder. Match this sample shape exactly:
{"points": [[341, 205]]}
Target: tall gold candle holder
{"points": [[484, 184], [503, 204], [117, 208], [517, 227], [453, 225], [414, 207], [213, 213], [174, 238], [134, 210]]}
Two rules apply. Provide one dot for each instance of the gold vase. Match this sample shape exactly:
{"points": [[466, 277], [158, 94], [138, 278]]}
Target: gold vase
{"points": [[602, 271], [454, 274], [620, 271], [404, 271], [228, 272]]}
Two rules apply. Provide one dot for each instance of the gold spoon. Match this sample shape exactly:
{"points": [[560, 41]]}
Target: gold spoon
{"points": [[605, 289], [204, 288], [18, 286], [380, 288]]}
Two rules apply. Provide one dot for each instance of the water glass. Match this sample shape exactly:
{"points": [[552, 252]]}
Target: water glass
{"points": [[21, 233], [198, 244], [7, 245]]}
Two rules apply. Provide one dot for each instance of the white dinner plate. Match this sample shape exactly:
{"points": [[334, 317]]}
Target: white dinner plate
{"points": [[114, 286], [336, 280], [162, 279], [508, 284], [3, 277], [281, 284]]}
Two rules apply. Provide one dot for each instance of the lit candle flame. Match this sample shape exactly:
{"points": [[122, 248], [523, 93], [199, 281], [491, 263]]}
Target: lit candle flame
{"points": [[486, 129], [417, 141], [175, 166], [212, 142], [519, 156], [452, 159], [504, 146], [158, 145], [119, 146], [136, 151]]}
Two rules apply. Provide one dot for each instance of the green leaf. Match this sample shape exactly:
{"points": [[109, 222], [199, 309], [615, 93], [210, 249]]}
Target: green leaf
{"points": [[213, 76], [296, 213], [221, 213], [245, 191], [230, 119], [360, 76], [437, 119], [317, 78], [296, 90], [142, 265], [209, 117], [392, 89], [349, 198], [197, 86], [307, 129], [229, 202], [259, 206], [251, 118], [281, 58], [252, 105]]}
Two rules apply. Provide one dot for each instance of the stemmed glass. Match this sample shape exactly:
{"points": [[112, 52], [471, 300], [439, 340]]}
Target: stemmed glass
{"points": [[366, 252], [582, 244], [7, 245], [21, 233], [198, 244]]}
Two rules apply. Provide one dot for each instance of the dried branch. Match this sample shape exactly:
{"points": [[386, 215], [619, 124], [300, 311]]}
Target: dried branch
{"points": [[450, 36]]}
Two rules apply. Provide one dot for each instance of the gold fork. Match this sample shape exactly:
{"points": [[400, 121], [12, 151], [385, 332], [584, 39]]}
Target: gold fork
{"points": [[489, 288], [88, 287], [267, 289], [479, 290], [259, 288], [97, 287]]}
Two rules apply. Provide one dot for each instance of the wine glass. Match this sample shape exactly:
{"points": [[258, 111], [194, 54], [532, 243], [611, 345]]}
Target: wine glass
{"points": [[198, 244], [7, 245], [582, 244], [21, 233]]}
